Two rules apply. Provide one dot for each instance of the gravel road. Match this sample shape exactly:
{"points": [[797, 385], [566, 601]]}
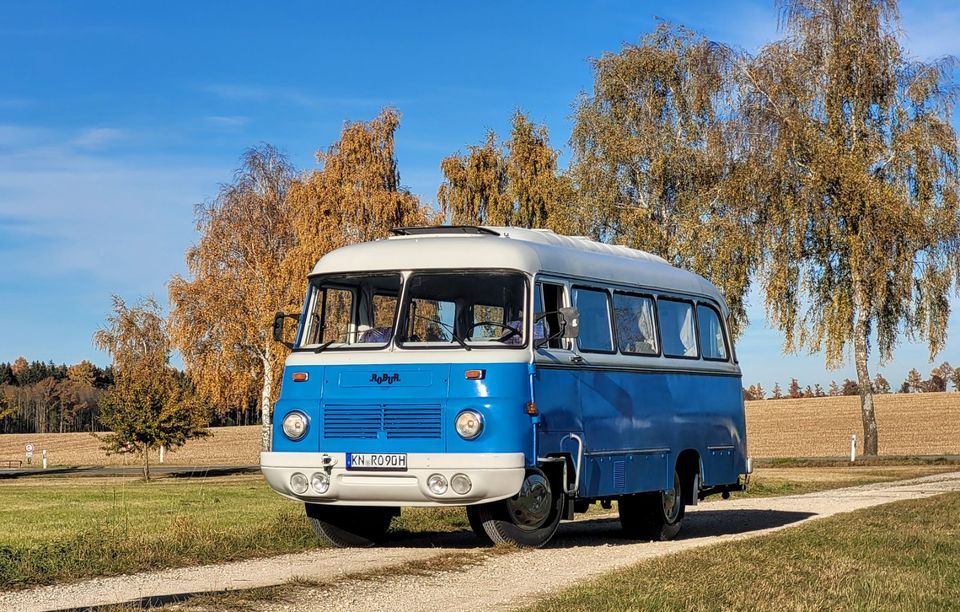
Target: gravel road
{"points": [[581, 550]]}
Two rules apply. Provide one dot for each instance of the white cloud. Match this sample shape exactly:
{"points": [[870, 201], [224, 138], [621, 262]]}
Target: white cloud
{"points": [[112, 220], [232, 122], [94, 138]]}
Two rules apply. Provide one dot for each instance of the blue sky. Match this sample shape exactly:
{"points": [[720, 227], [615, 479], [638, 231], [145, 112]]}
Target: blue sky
{"points": [[116, 118]]}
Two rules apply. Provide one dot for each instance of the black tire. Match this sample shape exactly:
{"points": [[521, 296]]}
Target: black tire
{"points": [[504, 524], [651, 516], [350, 526], [476, 524]]}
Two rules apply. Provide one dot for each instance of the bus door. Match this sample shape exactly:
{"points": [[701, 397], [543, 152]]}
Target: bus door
{"points": [[557, 389]]}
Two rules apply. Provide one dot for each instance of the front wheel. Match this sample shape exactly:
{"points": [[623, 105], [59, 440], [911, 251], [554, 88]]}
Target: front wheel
{"points": [[350, 526], [528, 519], [653, 516]]}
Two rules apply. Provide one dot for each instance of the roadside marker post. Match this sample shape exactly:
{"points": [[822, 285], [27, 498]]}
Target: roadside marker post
{"points": [[162, 452], [853, 447], [44, 458]]}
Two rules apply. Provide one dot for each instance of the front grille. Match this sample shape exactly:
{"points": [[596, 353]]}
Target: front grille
{"points": [[354, 422], [401, 421], [396, 421]]}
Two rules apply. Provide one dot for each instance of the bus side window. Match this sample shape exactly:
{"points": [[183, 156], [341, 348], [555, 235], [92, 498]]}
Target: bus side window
{"points": [[594, 307], [677, 328], [551, 298], [712, 340]]}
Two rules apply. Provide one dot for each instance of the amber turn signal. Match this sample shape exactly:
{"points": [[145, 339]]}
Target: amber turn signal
{"points": [[300, 376], [531, 409], [475, 374]]}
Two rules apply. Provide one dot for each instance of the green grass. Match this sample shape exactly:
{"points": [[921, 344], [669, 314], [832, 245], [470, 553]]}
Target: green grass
{"points": [[60, 529], [57, 529], [899, 556]]}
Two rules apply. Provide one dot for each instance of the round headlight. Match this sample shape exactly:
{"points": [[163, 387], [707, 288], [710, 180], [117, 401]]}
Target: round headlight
{"points": [[295, 425], [461, 484], [299, 483], [437, 483], [320, 482], [469, 424]]}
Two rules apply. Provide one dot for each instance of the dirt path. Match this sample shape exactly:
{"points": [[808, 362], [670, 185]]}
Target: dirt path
{"points": [[581, 550]]}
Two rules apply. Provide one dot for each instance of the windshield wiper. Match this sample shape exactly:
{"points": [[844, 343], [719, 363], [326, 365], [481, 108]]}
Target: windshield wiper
{"points": [[323, 346], [447, 327]]}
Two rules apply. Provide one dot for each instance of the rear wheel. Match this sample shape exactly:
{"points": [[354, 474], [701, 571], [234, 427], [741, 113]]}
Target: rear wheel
{"points": [[528, 519], [653, 516], [350, 526]]}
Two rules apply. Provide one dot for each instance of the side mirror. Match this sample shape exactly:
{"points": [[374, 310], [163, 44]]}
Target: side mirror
{"points": [[570, 320], [278, 327]]}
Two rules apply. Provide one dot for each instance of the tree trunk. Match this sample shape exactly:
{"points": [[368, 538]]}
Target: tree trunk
{"points": [[265, 396], [146, 463], [861, 333]]}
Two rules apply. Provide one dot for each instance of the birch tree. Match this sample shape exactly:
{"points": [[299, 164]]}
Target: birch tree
{"points": [[355, 196], [223, 311], [855, 173], [656, 146], [516, 183]]}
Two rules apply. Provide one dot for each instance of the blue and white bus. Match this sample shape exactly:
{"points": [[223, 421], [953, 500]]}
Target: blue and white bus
{"points": [[519, 373]]}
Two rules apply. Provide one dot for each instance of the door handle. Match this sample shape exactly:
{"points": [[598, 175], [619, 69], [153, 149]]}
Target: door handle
{"points": [[576, 359]]}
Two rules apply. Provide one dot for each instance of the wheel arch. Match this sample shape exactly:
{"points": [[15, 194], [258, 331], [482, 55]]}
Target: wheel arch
{"points": [[689, 466]]}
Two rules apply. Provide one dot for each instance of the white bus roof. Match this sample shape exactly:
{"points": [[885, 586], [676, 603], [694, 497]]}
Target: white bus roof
{"points": [[532, 251]]}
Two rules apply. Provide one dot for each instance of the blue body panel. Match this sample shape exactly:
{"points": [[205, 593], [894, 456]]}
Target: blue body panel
{"points": [[634, 423], [406, 408]]}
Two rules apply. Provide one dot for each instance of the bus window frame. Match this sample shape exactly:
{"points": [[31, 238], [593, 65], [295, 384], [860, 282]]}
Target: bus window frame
{"points": [[723, 333], [454, 345], [355, 346], [692, 302], [656, 322], [610, 322], [565, 300]]}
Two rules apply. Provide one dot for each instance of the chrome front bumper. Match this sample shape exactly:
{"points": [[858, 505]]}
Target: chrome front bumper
{"points": [[493, 476]]}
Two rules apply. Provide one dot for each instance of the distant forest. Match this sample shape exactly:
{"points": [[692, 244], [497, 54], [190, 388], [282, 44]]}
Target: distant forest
{"points": [[941, 378], [44, 397]]}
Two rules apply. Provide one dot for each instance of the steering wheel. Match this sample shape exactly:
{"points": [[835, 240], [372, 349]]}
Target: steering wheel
{"points": [[510, 331]]}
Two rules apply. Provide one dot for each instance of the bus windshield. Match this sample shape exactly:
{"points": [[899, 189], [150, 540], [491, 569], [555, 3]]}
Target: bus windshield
{"points": [[463, 310], [355, 311]]}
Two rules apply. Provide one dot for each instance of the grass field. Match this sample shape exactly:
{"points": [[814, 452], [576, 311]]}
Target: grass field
{"points": [[912, 424], [55, 529], [63, 529], [899, 556]]}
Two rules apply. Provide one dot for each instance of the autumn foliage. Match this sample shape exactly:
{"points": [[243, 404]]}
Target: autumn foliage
{"points": [[260, 237]]}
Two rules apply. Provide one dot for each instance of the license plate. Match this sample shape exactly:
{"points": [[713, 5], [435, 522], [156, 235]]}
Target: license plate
{"points": [[386, 462]]}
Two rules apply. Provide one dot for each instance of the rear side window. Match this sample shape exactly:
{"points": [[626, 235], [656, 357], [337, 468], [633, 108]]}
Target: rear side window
{"points": [[677, 328], [712, 341], [636, 324], [594, 320]]}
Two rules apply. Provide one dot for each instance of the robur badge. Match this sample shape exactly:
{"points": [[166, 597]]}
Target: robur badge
{"points": [[384, 378]]}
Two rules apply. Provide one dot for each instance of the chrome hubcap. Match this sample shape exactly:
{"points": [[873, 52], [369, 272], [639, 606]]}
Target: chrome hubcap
{"points": [[531, 506], [671, 501]]}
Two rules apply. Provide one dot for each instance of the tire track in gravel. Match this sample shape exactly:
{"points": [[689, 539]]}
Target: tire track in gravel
{"points": [[581, 550]]}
